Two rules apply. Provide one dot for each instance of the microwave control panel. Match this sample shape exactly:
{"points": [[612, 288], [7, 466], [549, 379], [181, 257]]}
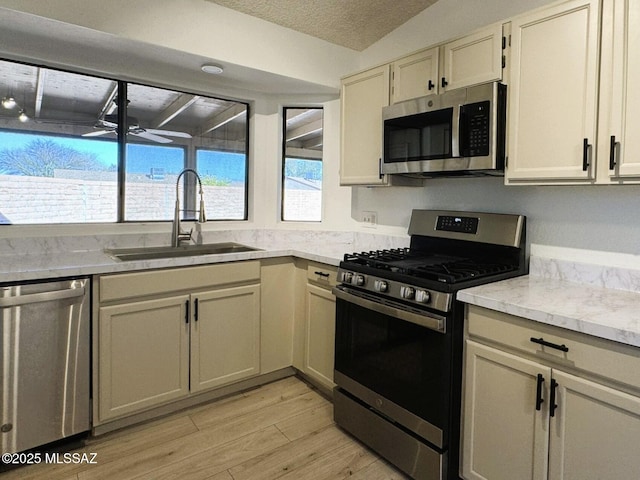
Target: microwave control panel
{"points": [[476, 129]]}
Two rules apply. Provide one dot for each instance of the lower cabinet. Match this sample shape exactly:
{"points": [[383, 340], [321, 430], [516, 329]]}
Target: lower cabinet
{"points": [[155, 346], [225, 336], [532, 416], [320, 320], [316, 324], [144, 355]]}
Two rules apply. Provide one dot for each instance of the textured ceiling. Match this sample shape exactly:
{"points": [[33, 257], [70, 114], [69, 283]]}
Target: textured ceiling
{"points": [[355, 24]]}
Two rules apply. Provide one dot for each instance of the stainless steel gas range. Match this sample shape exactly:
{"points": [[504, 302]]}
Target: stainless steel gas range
{"points": [[399, 334]]}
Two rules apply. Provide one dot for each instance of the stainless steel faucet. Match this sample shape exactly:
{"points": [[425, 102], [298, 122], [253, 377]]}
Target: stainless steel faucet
{"points": [[177, 234]]}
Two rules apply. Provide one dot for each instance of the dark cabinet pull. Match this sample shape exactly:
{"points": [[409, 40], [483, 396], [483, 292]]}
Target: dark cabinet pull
{"points": [[539, 400], [195, 310], [187, 304], [552, 400], [543, 342], [585, 154], [322, 274], [431, 85], [444, 82], [612, 153], [380, 175]]}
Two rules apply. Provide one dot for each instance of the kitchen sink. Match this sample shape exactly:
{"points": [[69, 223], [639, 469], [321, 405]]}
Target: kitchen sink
{"points": [[152, 253]]}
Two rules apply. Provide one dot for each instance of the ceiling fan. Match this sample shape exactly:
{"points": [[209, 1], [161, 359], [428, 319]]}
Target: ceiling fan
{"points": [[109, 124]]}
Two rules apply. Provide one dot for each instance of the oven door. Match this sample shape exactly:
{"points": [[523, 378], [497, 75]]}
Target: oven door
{"points": [[400, 367]]}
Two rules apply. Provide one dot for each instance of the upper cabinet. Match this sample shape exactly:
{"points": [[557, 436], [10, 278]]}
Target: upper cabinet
{"points": [[471, 60], [619, 149], [363, 96], [415, 75], [572, 108], [474, 59], [553, 92]]}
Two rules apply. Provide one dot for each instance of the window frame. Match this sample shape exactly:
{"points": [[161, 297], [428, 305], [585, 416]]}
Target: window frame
{"points": [[284, 157], [122, 142]]}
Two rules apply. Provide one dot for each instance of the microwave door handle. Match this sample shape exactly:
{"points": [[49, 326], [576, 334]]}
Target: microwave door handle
{"points": [[455, 131]]}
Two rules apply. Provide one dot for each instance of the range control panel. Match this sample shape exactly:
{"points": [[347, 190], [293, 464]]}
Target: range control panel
{"points": [[450, 223]]}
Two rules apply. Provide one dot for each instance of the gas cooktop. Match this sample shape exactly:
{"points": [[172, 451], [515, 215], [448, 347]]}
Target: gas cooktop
{"points": [[423, 265], [448, 251]]}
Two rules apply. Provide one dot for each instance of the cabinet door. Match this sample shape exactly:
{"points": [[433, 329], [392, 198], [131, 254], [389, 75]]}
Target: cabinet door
{"points": [[320, 335], [474, 59], [594, 433], [623, 92], [415, 75], [504, 436], [553, 93], [363, 96], [225, 336], [144, 355]]}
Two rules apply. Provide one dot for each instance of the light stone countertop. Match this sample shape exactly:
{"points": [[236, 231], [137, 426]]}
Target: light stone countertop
{"points": [[47, 258], [563, 295]]}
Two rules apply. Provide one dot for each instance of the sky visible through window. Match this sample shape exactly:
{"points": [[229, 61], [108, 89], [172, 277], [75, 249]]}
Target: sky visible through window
{"points": [[140, 158], [73, 180]]}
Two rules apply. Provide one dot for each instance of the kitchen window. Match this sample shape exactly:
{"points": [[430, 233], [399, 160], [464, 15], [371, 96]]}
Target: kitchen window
{"points": [[302, 164], [61, 160]]}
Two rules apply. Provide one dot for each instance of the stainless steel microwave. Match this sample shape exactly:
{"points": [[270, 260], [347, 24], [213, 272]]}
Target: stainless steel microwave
{"points": [[455, 133]]}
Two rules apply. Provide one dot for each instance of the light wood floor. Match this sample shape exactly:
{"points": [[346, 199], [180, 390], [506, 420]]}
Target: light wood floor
{"points": [[282, 430]]}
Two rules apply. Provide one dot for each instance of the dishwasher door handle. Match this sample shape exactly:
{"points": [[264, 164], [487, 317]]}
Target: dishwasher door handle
{"points": [[16, 300]]}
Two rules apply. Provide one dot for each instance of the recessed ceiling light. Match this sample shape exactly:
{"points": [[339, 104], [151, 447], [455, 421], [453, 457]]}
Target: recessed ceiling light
{"points": [[212, 69]]}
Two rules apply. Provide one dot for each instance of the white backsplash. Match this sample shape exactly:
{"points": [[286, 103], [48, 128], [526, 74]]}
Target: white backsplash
{"points": [[263, 238], [597, 268]]}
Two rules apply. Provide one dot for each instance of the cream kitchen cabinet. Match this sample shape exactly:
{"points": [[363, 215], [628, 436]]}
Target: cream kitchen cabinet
{"points": [[619, 143], [362, 98], [225, 336], [144, 355], [566, 407], [553, 93], [277, 300], [415, 75], [164, 335], [471, 60], [316, 323]]}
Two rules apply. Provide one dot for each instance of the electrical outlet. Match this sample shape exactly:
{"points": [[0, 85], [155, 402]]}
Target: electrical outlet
{"points": [[370, 219]]}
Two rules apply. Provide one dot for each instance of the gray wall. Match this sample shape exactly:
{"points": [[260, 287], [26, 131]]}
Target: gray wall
{"points": [[591, 217]]}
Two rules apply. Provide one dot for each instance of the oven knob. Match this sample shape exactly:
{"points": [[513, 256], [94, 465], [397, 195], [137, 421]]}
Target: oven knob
{"points": [[346, 277], [423, 296], [380, 286], [406, 292], [359, 280]]}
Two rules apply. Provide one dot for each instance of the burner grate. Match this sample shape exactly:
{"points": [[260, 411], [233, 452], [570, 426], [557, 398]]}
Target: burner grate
{"points": [[459, 271], [383, 259], [419, 264]]}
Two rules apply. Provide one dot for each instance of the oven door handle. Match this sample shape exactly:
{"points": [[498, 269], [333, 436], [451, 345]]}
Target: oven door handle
{"points": [[422, 318]]}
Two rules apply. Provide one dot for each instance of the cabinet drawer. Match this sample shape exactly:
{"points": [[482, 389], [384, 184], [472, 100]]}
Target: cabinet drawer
{"points": [[323, 275], [139, 284], [599, 357]]}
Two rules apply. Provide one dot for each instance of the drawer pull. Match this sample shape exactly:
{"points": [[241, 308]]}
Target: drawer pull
{"points": [[322, 274], [553, 405], [187, 313], [539, 400], [543, 342]]}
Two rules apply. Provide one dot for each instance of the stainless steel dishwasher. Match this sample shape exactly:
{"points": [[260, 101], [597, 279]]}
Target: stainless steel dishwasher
{"points": [[45, 373]]}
